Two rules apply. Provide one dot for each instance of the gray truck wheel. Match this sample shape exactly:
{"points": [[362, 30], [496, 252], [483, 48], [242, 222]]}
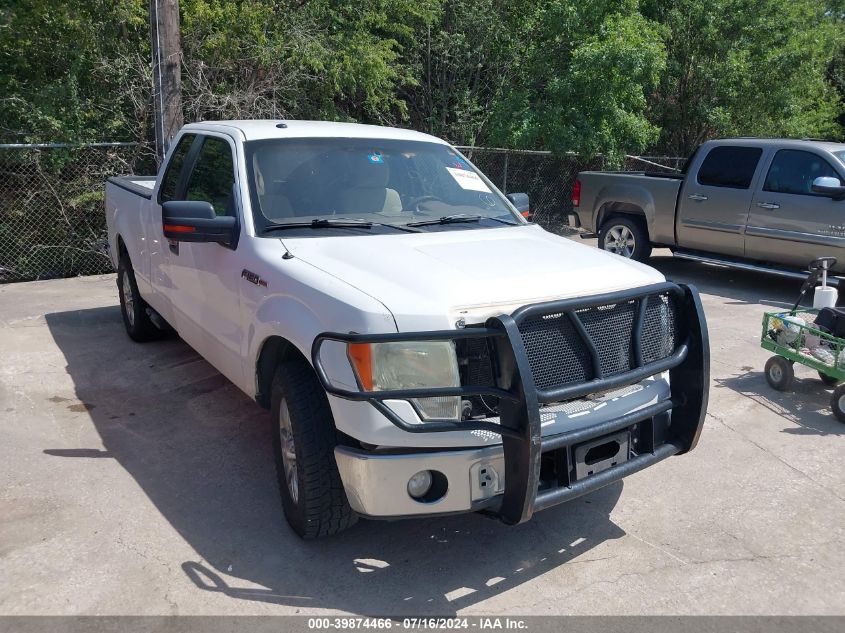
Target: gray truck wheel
{"points": [[304, 438], [133, 308], [625, 236]]}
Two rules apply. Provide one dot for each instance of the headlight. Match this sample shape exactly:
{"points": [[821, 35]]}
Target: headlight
{"points": [[410, 365]]}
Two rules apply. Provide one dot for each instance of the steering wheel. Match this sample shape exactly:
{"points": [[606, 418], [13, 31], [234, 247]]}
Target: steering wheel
{"points": [[822, 263], [415, 203]]}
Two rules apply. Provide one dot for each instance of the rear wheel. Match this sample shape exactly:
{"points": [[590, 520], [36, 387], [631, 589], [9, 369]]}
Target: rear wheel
{"points": [[304, 436], [828, 380], [137, 322], [625, 236], [779, 373], [837, 403]]}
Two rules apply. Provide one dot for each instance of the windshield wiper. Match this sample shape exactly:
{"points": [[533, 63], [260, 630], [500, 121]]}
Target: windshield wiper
{"points": [[320, 223], [451, 219], [447, 219]]}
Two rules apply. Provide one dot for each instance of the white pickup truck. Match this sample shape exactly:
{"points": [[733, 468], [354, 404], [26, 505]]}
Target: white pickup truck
{"points": [[422, 347]]}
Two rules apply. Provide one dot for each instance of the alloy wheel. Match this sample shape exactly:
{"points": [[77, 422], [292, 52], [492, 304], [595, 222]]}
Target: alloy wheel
{"points": [[288, 451], [620, 240]]}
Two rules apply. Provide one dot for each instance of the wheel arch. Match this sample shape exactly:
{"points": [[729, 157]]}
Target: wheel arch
{"points": [[612, 209], [274, 350]]}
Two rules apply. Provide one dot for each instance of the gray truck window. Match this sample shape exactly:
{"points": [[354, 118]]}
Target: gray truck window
{"points": [[793, 171], [213, 176], [174, 168], [729, 166]]}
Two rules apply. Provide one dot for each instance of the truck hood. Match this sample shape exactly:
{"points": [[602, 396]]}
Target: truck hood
{"points": [[429, 280]]}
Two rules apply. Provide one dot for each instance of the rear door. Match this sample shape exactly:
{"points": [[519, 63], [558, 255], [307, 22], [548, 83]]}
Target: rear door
{"points": [[715, 199], [788, 223]]}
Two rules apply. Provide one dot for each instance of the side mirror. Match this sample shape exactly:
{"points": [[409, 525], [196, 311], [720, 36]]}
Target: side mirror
{"points": [[828, 186], [195, 221], [520, 201]]}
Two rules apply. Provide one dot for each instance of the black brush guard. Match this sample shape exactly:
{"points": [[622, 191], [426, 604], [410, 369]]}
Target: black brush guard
{"points": [[520, 399]]}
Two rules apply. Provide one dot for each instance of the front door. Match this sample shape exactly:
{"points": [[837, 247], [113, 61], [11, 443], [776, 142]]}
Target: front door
{"points": [[714, 201], [788, 223], [206, 277]]}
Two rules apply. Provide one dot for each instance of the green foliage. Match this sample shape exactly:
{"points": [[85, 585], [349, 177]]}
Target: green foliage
{"points": [[588, 68], [609, 76], [52, 57], [745, 67]]}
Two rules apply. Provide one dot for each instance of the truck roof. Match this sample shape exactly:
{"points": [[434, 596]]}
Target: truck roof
{"points": [[831, 146], [255, 129]]}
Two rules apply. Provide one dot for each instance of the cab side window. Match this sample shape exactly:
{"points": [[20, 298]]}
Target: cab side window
{"points": [[213, 177], [729, 166], [170, 182], [793, 171]]}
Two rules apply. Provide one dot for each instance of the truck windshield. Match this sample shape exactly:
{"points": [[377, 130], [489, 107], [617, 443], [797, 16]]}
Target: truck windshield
{"points": [[384, 182], [840, 155]]}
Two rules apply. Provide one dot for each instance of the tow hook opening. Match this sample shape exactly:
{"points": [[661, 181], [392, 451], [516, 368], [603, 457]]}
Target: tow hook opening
{"points": [[602, 452]]}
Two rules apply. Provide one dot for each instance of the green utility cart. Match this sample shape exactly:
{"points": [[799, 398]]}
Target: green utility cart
{"points": [[795, 338]]}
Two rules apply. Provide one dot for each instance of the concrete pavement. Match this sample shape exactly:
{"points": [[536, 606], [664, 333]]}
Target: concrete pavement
{"points": [[137, 480]]}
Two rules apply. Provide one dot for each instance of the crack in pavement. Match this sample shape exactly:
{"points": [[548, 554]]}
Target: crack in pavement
{"points": [[777, 457]]}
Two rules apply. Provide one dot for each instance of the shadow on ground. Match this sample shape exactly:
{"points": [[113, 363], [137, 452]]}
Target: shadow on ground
{"points": [[200, 450], [744, 287], [806, 404]]}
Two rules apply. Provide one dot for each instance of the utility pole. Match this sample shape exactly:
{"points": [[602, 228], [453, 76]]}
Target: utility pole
{"points": [[167, 72]]}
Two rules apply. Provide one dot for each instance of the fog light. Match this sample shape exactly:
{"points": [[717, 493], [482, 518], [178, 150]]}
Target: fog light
{"points": [[420, 484]]}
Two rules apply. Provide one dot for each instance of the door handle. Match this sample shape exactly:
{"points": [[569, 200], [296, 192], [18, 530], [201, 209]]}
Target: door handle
{"points": [[697, 196], [768, 205]]}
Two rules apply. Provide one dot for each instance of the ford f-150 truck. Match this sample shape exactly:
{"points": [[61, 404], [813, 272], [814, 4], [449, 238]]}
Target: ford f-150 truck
{"points": [[764, 204], [423, 348]]}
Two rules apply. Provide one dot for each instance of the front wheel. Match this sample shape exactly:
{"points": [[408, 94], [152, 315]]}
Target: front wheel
{"points": [[304, 438], [779, 373], [625, 236]]}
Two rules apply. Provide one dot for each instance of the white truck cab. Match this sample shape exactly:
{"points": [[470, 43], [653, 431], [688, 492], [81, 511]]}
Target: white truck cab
{"points": [[422, 347]]}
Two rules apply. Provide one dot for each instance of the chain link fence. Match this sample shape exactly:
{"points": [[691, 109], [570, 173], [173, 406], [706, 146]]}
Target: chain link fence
{"points": [[548, 179], [52, 217]]}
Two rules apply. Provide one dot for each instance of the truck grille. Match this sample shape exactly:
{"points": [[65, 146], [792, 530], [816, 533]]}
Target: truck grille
{"points": [[559, 356]]}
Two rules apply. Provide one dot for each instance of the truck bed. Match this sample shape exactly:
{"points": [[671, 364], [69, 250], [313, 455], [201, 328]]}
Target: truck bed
{"points": [[141, 185], [654, 194]]}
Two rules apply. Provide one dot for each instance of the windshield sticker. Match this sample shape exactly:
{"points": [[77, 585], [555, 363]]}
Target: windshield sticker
{"points": [[468, 179], [376, 158]]}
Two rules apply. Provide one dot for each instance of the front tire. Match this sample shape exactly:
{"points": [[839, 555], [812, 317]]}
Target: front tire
{"points": [[304, 438], [137, 322], [625, 236], [779, 373]]}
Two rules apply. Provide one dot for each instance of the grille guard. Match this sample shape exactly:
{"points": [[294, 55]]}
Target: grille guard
{"points": [[520, 399]]}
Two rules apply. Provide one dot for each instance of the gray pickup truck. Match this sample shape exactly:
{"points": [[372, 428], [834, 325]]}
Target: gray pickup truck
{"points": [[762, 204]]}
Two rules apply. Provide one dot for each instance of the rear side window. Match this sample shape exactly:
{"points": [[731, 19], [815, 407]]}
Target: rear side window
{"points": [[174, 168], [213, 176], [793, 171], [729, 166]]}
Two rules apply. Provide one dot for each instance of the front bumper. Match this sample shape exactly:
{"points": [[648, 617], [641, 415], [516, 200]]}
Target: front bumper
{"points": [[375, 482]]}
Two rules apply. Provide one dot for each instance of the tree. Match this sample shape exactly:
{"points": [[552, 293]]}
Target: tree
{"points": [[585, 72], [52, 56], [744, 67]]}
